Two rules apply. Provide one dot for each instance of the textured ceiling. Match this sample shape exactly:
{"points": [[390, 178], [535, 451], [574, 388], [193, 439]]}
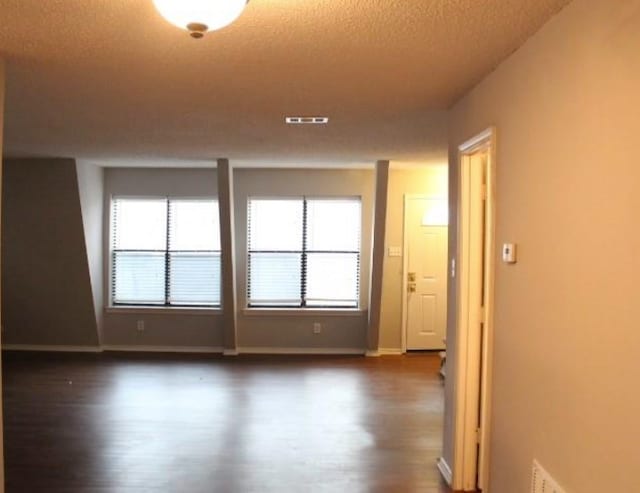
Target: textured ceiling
{"points": [[111, 80]]}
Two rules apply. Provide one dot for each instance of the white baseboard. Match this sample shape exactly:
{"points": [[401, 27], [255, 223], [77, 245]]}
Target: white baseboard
{"points": [[185, 349], [301, 350], [386, 351], [445, 470], [164, 349], [51, 348]]}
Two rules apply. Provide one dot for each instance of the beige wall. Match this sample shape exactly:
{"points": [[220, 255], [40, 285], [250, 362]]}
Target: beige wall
{"points": [[343, 332], [164, 328], [46, 288], [426, 179], [567, 111], [91, 190]]}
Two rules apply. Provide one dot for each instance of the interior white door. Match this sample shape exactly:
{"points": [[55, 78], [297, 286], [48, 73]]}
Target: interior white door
{"points": [[426, 275]]}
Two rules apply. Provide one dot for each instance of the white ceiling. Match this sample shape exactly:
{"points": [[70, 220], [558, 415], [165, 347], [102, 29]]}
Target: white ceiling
{"points": [[110, 80]]}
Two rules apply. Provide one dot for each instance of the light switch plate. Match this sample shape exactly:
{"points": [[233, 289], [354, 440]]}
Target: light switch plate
{"points": [[509, 253]]}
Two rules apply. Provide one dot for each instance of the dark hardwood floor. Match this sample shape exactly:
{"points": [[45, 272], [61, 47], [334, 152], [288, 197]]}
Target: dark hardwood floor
{"points": [[193, 424]]}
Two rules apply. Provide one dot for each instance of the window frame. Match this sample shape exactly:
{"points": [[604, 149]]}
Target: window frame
{"points": [[303, 307], [110, 281]]}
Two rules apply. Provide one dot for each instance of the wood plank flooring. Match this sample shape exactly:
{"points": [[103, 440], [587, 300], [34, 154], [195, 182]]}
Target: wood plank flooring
{"points": [[131, 423]]}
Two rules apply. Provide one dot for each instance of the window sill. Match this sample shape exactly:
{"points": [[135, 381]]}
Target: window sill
{"points": [[173, 310], [302, 312]]}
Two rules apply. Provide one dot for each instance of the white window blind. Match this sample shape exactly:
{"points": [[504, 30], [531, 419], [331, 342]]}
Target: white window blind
{"points": [[165, 252], [304, 252]]}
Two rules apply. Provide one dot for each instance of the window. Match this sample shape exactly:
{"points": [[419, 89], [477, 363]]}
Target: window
{"points": [[165, 252], [304, 252]]}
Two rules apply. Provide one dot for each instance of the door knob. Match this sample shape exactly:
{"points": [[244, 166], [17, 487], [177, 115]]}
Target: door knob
{"points": [[412, 276], [412, 287]]}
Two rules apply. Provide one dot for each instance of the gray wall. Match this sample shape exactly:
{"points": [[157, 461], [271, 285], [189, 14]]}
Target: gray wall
{"points": [[91, 189], [46, 296], [2, 87], [566, 365], [260, 331], [164, 328], [293, 330], [192, 328]]}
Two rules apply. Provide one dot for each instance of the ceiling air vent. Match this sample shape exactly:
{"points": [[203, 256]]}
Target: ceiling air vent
{"points": [[307, 120]]}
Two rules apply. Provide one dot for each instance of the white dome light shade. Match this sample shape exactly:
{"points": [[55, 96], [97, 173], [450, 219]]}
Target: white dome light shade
{"points": [[199, 16]]}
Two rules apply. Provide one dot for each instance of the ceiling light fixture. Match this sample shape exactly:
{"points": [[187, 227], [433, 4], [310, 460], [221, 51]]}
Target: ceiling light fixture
{"points": [[200, 16]]}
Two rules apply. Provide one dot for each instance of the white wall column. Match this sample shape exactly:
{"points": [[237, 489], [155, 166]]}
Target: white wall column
{"points": [[227, 244], [377, 257]]}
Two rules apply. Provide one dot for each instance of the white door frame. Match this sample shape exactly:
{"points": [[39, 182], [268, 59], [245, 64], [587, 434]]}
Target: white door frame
{"points": [[474, 347], [405, 257]]}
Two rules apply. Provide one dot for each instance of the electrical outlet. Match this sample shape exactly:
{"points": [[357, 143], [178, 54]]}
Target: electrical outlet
{"points": [[317, 327], [140, 325]]}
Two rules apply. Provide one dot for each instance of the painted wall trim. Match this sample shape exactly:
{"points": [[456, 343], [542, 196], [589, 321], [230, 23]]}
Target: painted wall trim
{"points": [[163, 349], [474, 346], [301, 350], [152, 310], [51, 348], [301, 312], [445, 470], [390, 351], [187, 349]]}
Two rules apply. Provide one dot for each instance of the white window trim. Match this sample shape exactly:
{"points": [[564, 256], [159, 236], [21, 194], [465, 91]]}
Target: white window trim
{"points": [[302, 312], [177, 309], [297, 311]]}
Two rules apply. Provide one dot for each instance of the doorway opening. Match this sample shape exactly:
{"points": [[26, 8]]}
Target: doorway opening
{"points": [[474, 278]]}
